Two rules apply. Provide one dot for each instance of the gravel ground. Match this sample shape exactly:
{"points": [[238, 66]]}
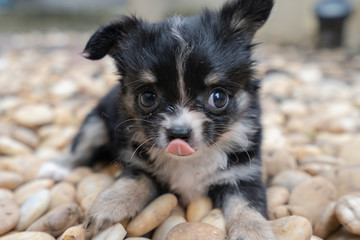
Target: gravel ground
{"points": [[311, 147]]}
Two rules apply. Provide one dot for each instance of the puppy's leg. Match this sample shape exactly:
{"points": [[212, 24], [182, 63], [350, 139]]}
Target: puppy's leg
{"points": [[127, 196], [242, 205], [91, 137]]}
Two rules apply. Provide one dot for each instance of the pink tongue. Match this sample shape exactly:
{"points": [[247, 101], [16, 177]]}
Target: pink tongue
{"points": [[179, 147]]}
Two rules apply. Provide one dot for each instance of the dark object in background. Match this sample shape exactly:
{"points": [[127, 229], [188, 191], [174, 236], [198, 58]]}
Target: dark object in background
{"points": [[332, 15]]}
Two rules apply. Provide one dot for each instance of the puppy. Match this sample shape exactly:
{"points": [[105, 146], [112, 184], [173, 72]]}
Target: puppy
{"points": [[184, 117]]}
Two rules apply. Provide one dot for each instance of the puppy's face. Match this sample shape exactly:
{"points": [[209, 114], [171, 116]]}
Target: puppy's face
{"points": [[187, 82]]}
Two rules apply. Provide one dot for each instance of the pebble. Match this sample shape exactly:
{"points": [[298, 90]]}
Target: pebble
{"points": [[58, 220], [78, 174], [215, 218], [345, 178], [293, 227], [327, 222], [73, 233], [348, 212], [26, 136], [9, 146], [91, 184], [343, 234], [178, 211], [28, 236], [152, 215], [198, 208], [87, 202], [33, 208], [195, 231], [290, 179], [286, 211], [163, 230], [62, 193], [9, 214], [115, 232], [307, 151], [33, 116], [25, 191], [316, 165], [10, 180], [60, 140], [6, 194], [278, 161], [276, 196], [319, 190], [13, 164]]}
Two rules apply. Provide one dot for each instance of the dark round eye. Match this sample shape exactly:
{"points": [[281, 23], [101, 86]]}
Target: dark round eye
{"points": [[218, 100], [147, 99]]}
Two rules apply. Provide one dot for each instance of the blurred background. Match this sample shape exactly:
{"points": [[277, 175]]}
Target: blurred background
{"points": [[292, 21]]}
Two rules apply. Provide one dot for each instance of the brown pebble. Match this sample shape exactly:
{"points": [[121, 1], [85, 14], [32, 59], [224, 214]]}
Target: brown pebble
{"points": [[163, 230], [58, 220], [9, 215], [290, 179], [10, 180], [286, 211], [73, 233], [6, 193], [195, 231], [198, 208], [313, 195], [25, 191], [91, 184], [78, 174], [62, 193], [293, 227], [327, 222], [348, 212], [28, 236], [277, 196], [278, 161], [215, 218], [152, 215], [343, 234]]}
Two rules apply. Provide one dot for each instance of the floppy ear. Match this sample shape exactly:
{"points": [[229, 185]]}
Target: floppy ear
{"points": [[246, 16], [109, 38]]}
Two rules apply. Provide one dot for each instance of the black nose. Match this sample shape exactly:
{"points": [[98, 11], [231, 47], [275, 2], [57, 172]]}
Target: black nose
{"points": [[179, 132]]}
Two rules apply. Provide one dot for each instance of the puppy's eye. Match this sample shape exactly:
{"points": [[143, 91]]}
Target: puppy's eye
{"points": [[147, 100], [218, 100]]}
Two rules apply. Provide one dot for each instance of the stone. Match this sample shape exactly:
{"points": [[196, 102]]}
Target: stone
{"points": [[9, 215], [349, 151], [294, 108], [293, 227], [286, 211], [198, 208], [60, 140], [276, 196], [10, 180], [78, 174], [28, 236], [73, 233], [278, 161], [344, 178], [195, 231], [290, 179], [307, 151], [33, 116], [115, 232], [327, 222], [9, 146], [62, 193], [316, 165], [87, 202], [6, 194], [91, 184], [64, 89], [313, 195], [343, 234], [24, 192], [152, 215], [26, 136], [348, 212], [33, 208], [163, 230], [313, 237], [215, 218], [56, 221], [178, 211]]}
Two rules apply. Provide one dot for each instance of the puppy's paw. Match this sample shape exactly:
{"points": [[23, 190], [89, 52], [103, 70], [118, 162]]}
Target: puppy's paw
{"points": [[254, 231], [53, 170]]}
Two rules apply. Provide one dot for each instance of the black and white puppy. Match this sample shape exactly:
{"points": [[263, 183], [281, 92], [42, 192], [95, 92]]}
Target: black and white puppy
{"points": [[184, 118]]}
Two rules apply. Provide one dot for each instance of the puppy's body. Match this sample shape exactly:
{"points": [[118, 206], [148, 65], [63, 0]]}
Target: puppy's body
{"points": [[185, 117]]}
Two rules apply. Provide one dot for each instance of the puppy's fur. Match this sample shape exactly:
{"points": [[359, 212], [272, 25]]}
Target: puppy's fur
{"points": [[183, 78]]}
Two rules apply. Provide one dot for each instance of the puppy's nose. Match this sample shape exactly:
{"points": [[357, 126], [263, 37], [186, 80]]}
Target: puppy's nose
{"points": [[180, 132]]}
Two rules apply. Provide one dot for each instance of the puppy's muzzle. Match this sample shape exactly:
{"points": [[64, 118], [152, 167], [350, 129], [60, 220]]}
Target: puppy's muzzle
{"points": [[178, 141]]}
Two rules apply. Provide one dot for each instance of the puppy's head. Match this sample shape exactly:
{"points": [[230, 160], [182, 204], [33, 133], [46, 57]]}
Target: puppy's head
{"points": [[187, 83]]}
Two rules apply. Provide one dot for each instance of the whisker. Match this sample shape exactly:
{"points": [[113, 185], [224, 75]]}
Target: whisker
{"points": [[150, 139]]}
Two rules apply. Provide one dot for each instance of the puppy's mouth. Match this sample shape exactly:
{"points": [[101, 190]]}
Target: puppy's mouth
{"points": [[180, 147]]}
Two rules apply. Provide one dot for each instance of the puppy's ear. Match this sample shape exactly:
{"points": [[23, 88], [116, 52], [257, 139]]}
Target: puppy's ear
{"points": [[246, 16], [109, 38]]}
